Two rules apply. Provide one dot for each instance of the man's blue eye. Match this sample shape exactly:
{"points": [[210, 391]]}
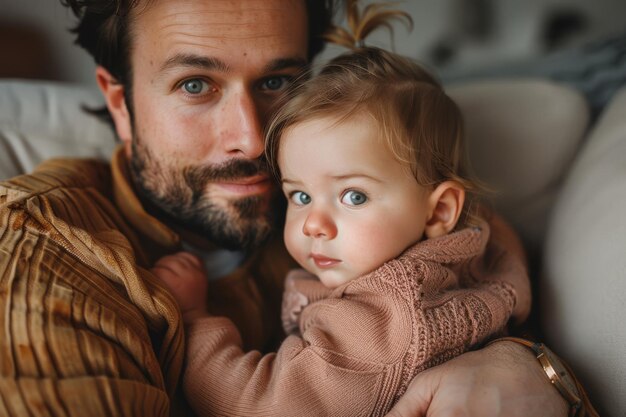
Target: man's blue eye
{"points": [[354, 198], [275, 83], [300, 198], [195, 86]]}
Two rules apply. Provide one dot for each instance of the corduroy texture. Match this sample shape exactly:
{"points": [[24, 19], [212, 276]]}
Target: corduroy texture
{"points": [[87, 330], [362, 343]]}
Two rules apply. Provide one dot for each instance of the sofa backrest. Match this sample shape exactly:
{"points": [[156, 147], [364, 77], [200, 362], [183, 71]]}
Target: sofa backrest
{"points": [[522, 135], [41, 120]]}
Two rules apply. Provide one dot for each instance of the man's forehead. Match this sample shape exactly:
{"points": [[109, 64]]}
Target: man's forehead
{"points": [[222, 21], [242, 35]]}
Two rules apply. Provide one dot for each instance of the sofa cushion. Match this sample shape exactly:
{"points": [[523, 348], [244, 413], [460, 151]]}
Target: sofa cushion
{"points": [[583, 287], [522, 135], [41, 120]]}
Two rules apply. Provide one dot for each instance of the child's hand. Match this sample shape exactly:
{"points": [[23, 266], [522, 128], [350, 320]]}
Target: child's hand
{"points": [[301, 289], [293, 303], [184, 275]]}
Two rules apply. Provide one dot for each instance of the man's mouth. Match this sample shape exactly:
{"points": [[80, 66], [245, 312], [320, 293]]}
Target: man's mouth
{"points": [[254, 185], [322, 261], [238, 178]]}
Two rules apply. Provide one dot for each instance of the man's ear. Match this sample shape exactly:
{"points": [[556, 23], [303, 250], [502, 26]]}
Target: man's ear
{"points": [[113, 93], [445, 204]]}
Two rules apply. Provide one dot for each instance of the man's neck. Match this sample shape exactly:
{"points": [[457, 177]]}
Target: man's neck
{"points": [[217, 262], [195, 240]]}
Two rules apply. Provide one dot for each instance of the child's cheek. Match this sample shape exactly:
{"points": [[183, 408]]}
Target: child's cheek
{"points": [[294, 238]]}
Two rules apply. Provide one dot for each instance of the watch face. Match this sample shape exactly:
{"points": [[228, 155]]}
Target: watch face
{"points": [[558, 374]]}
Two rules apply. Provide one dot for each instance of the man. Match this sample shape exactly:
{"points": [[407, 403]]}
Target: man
{"points": [[189, 85]]}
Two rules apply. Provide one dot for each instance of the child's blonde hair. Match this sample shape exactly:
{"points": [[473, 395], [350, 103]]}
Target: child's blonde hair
{"points": [[420, 124]]}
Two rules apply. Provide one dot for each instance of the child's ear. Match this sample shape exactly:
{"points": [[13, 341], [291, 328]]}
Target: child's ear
{"points": [[445, 204], [113, 93]]}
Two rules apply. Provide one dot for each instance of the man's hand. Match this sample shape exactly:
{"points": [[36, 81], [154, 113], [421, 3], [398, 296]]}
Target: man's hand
{"points": [[501, 380], [184, 275]]}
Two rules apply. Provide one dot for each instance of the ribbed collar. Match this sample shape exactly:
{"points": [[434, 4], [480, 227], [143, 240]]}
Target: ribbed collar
{"points": [[452, 248]]}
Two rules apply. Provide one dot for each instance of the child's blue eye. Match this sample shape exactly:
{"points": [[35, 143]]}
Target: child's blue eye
{"points": [[300, 198], [354, 198]]}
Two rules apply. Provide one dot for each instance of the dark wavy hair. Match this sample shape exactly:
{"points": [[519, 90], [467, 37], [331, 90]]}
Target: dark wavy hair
{"points": [[104, 25]]}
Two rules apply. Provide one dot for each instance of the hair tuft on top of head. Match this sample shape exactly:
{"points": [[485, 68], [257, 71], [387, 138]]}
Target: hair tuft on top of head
{"points": [[406, 104], [361, 24]]}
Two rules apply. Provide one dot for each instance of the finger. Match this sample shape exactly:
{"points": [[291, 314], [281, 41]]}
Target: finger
{"points": [[166, 260], [178, 264], [190, 259], [184, 259], [415, 401], [164, 271]]}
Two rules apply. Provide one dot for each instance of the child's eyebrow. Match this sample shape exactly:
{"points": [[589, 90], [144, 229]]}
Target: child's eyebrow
{"points": [[356, 175], [341, 177], [288, 181]]}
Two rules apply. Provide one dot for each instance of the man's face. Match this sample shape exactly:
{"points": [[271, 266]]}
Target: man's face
{"points": [[205, 76]]}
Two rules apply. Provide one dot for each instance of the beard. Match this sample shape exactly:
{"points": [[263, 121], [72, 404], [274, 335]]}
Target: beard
{"points": [[180, 195]]}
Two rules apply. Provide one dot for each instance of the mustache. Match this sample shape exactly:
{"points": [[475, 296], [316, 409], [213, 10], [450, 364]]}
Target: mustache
{"points": [[197, 177]]}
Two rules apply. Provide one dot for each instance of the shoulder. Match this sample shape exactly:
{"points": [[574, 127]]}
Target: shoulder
{"points": [[58, 185], [60, 197], [66, 204], [57, 174], [70, 270], [67, 238]]}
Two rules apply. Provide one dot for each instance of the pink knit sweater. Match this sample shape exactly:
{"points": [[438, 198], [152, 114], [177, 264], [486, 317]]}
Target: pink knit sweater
{"points": [[361, 344]]}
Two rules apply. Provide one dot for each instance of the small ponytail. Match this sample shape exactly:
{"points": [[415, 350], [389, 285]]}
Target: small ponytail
{"points": [[362, 24]]}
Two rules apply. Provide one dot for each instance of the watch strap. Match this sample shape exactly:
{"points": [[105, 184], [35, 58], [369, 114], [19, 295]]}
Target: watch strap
{"points": [[580, 406]]}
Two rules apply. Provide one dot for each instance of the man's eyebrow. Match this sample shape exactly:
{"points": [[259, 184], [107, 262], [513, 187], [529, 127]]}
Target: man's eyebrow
{"points": [[215, 64], [284, 63], [194, 61]]}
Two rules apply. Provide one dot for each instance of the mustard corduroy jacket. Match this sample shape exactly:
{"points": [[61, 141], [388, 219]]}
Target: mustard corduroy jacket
{"points": [[87, 330]]}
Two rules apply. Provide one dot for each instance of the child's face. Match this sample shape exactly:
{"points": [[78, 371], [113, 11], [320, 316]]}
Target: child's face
{"points": [[352, 205]]}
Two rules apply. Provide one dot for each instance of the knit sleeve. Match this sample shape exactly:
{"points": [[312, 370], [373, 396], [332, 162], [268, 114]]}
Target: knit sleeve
{"points": [[347, 362], [468, 285], [503, 270]]}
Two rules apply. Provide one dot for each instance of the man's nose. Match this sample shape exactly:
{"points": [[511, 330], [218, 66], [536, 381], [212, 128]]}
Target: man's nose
{"points": [[243, 126], [319, 225]]}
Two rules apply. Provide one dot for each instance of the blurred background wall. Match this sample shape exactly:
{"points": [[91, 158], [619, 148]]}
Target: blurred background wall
{"points": [[35, 43], [453, 37]]}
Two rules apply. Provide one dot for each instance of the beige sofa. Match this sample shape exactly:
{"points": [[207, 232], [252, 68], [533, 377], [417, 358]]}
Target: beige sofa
{"points": [[560, 181]]}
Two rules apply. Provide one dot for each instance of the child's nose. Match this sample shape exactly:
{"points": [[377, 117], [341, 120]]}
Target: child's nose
{"points": [[319, 225]]}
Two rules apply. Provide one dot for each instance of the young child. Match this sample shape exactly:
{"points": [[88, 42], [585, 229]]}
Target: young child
{"points": [[399, 274]]}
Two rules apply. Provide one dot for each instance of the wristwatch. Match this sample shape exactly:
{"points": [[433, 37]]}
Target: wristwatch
{"points": [[556, 371]]}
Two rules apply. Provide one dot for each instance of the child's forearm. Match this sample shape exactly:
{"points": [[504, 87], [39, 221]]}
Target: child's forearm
{"points": [[304, 375]]}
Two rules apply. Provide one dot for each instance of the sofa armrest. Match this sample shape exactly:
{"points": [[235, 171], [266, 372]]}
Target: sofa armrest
{"points": [[583, 284]]}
